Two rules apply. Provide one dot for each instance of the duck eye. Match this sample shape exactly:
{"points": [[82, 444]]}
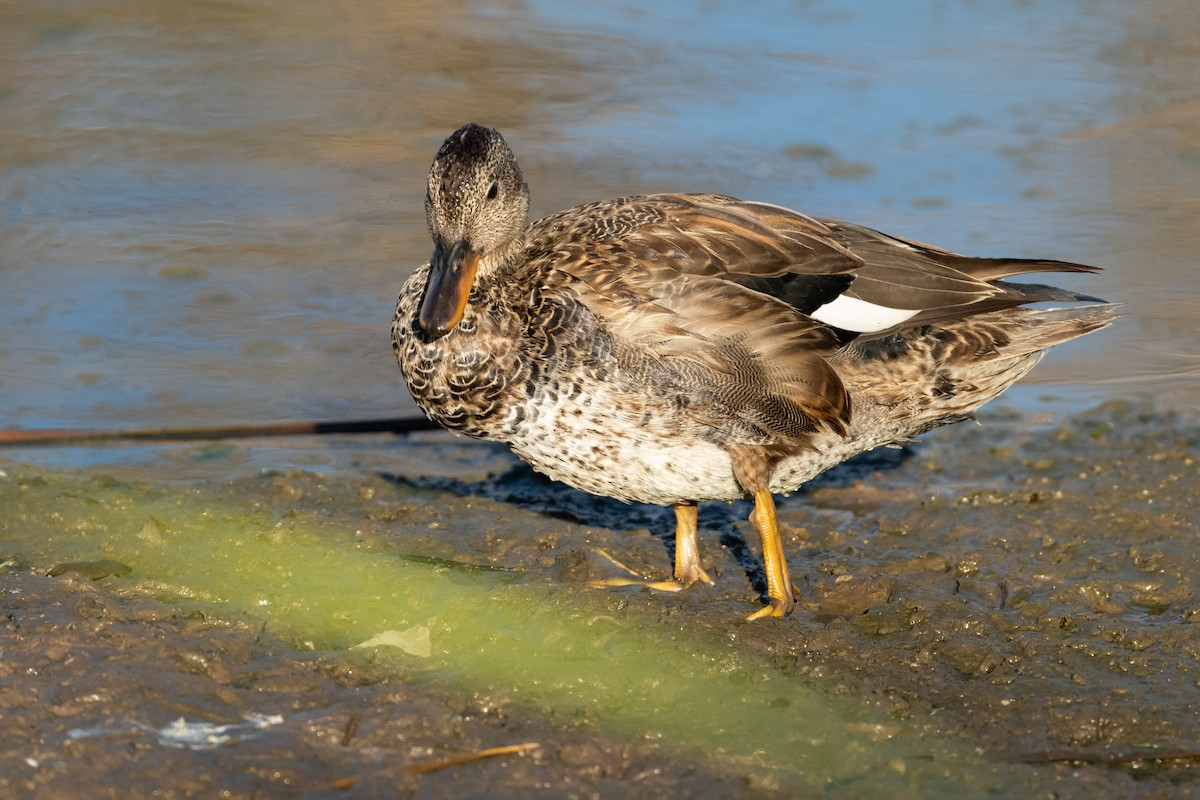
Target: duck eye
{"points": [[492, 192]]}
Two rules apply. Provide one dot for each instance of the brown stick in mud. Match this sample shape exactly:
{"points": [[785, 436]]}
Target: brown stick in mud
{"points": [[67, 437]]}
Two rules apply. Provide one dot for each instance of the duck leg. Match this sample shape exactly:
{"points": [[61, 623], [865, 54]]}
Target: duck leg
{"points": [[687, 558], [687, 553], [752, 468], [780, 591]]}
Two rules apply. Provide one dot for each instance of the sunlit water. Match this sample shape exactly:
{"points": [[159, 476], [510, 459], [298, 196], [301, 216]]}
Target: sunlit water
{"points": [[207, 210]]}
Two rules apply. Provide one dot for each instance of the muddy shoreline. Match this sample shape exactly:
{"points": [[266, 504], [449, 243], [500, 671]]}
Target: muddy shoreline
{"points": [[1026, 589]]}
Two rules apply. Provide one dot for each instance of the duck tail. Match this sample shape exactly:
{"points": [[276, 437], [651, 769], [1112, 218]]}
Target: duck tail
{"points": [[1035, 330], [938, 374], [989, 353]]}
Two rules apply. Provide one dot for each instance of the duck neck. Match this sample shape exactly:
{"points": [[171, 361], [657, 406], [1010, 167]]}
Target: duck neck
{"points": [[505, 262]]}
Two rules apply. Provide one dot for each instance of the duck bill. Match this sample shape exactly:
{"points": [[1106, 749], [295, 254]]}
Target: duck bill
{"points": [[451, 274]]}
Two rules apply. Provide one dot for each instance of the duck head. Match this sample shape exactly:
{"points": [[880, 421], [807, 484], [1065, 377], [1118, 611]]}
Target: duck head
{"points": [[477, 209]]}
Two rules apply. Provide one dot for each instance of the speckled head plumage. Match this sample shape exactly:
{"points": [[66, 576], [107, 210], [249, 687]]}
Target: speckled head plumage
{"points": [[476, 192], [477, 210]]}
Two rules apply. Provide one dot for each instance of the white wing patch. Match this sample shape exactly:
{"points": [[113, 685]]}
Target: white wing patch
{"points": [[852, 314]]}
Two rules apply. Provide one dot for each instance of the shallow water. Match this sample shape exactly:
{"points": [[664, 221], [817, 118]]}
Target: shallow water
{"points": [[206, 211]]}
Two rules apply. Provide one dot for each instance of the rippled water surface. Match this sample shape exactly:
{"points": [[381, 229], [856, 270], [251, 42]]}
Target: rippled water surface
{"points": [[207, 209]]}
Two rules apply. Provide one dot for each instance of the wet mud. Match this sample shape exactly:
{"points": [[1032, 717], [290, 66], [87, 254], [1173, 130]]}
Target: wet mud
{"points": [[226, 710], [1026, 588]]}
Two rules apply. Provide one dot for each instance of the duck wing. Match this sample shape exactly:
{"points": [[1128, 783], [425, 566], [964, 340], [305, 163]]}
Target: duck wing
{"points": [[660, 273], [752, 297], [855, 279], [927, 284]]}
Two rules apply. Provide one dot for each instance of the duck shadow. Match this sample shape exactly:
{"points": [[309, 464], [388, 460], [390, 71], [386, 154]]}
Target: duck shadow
{"points": [[522, 487]]}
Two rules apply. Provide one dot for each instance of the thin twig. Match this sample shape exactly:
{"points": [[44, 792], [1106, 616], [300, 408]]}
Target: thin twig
{"points": [[71, 437], [423, 767]]}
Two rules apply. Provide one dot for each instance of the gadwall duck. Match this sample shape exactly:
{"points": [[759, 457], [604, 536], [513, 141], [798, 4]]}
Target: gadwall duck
{"points": [[673, 348]]}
